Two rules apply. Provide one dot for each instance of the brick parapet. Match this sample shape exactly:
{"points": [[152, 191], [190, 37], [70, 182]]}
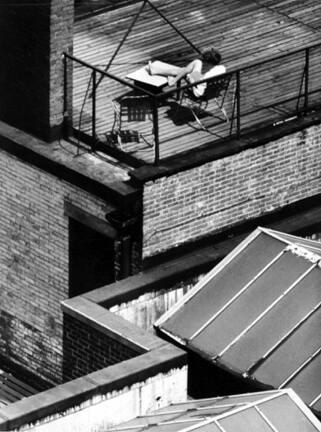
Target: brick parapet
{"points": [[208, 198], [98, 318], [87, 350], [95, 338]]}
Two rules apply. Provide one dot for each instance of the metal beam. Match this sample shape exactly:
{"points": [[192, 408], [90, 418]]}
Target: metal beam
{"points": [[260, 361], [300, 368], [264, 417]]}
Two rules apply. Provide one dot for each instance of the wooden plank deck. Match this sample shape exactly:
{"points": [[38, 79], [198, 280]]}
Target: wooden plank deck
{"points": [[13, 389], [245, 31]]}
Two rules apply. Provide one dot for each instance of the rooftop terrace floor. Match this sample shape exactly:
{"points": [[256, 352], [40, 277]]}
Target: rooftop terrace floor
{"points": [[245, 31]]}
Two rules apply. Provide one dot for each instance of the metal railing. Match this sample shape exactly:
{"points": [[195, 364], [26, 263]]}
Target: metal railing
{"points": [[262, 93]]}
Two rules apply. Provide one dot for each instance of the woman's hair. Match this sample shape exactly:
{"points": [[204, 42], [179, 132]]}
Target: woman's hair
{"points": [[212, 56]]}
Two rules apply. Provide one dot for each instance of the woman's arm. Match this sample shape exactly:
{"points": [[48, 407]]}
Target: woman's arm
{"points": [[192, 66]]}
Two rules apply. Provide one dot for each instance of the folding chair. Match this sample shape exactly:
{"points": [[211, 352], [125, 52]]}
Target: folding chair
{"points": [[134, 108], [215, 91]]}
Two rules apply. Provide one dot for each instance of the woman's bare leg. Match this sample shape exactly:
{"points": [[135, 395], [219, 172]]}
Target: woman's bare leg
{"points": [[160, 68]]}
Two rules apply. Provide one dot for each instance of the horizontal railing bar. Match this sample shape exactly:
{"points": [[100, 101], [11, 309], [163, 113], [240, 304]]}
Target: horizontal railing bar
{"points": [[263, 107], [109, 75], [276, 57], [188, 86], [243, 68]]}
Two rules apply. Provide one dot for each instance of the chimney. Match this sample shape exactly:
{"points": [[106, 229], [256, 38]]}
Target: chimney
{"points": [[33, 36]]}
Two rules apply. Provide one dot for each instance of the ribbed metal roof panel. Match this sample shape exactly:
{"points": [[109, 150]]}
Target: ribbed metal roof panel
{"points": [[265, 324]]}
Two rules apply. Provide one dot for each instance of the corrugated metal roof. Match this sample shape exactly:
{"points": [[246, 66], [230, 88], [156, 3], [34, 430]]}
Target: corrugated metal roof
{"points": [[258, 312], [277, 411]]}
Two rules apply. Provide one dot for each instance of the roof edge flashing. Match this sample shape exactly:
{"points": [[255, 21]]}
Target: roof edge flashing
{"points": [[171, 335], [304, 253], [205, 279]]}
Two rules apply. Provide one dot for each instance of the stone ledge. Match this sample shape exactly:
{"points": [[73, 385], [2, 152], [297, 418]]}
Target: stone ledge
{"points": [[200, 258], [99, 318], [228, 147], [71, 394], [59, 160]]}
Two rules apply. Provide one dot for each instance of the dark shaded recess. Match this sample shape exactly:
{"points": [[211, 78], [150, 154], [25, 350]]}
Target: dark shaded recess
{"points": [[91, 259], [24, 375], [24, 70], [208, 380]]}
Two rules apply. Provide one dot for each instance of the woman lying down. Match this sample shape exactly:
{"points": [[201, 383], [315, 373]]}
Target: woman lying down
{"points": [[197, 70]]}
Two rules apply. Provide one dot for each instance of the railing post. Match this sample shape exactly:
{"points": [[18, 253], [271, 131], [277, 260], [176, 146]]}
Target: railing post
{"points": [[93, 119], [65, 82], [306, 81], [156, 130], [238, 105], [65, 102]]}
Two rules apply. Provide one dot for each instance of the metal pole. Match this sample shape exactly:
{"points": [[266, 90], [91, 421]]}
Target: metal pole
{"points": [[123, 40], [65, 103], [65, 83], [156, 130], [238, 106], [94, 105], [173, 27], [306, 81]]}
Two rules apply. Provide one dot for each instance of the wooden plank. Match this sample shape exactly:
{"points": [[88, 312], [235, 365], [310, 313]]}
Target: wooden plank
{"points": [[10, 394], [17, 384]]}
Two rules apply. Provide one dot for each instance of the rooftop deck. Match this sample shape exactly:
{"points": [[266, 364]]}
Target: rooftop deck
{"points": [[247, 32]]}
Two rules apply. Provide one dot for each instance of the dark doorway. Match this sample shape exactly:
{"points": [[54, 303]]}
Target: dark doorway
{"points": [[91, 259]]}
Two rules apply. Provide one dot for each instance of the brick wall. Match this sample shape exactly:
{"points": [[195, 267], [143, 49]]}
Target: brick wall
{"points": [[34, 262], [33, 36], [205, 199], [87, 349], [61, 40]]}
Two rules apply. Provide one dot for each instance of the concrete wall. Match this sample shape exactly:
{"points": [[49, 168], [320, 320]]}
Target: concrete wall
{"points": [[106, 397], [105, 411], [34, 262], [204, 200], [147, 308]]}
